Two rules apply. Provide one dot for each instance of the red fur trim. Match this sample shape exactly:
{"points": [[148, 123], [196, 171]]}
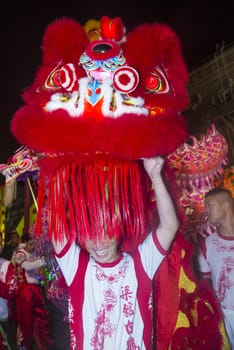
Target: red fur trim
{"points": [[131, 136]]}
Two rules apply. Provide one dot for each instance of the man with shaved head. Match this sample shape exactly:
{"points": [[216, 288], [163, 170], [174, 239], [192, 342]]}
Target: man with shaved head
{"points": [[216, 257]]}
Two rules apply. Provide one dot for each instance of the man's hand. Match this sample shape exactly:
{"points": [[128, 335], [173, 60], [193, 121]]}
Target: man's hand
{"points": [[153, 166], [206, 229]]}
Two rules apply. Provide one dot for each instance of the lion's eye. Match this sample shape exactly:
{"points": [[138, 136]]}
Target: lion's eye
{"points": [[156, 82], [63, 77]]}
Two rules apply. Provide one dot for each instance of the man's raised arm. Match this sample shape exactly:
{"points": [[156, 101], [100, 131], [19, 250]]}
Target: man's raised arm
{"points": [[168, 221]]}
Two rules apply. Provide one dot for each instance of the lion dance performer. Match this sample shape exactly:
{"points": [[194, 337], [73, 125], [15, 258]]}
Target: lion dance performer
{"points": [[102, 100]]}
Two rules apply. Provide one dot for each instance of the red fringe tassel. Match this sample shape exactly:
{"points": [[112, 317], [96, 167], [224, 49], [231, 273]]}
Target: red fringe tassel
{"points": [[101, 198]]}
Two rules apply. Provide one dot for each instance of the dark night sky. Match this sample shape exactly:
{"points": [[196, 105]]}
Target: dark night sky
{"points": [[200, 25]]}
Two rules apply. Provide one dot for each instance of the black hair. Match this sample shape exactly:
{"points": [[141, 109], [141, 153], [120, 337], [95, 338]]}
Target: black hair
{"points": [[218, 190], [25, 237]]}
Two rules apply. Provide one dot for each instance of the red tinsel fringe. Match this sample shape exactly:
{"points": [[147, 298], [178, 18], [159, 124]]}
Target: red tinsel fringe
{"points": [[99, 198]]}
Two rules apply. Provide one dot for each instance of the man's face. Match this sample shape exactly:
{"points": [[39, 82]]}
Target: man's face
{"points": [[30, 246], [103, 251], [14, 240], [214, 209]]}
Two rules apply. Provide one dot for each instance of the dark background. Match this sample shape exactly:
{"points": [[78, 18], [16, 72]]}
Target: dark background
{"points": [[201, 25]]}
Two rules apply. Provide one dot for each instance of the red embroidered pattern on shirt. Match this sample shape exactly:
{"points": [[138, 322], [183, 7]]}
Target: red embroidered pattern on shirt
{"points": [[112, 278], [225, 283], [103, 325], [223, 247], [128, 310], [131, 345], [126, 294], [71, 322], [129, 327]]}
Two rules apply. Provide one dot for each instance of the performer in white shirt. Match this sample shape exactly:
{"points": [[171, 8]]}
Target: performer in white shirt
{"points": [[110, 292]]}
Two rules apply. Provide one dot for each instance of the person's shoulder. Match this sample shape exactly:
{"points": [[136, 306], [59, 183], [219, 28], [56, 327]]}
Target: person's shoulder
{"points": [[6, 264], [3, 261]]}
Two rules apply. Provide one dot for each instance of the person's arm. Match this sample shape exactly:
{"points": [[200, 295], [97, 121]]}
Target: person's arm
{"points": [[33, 265], [20, 259], [168, 221], [66, 258]]}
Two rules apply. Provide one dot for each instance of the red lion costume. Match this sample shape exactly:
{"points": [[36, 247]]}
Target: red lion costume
{"points": [[103, 105]]}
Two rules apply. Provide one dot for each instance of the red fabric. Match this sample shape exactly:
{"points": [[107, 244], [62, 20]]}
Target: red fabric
{"points": [[9, 288], [167, 296], [32, 317], [204, 315]]}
